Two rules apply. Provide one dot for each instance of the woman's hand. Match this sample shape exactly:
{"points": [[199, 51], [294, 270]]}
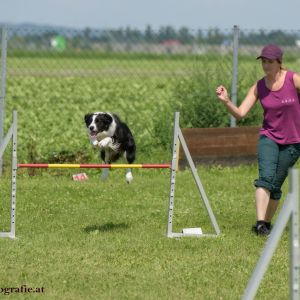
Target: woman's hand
{"points": [[241, 111], [222, 94]]}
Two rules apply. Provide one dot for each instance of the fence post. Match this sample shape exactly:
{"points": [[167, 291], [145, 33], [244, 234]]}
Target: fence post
{"points": [[294, 237], [2, 88], [235, 51]]}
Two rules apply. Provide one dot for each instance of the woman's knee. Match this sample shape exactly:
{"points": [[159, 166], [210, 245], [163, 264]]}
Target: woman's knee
{"points": [[264, 182], [288, 156]]}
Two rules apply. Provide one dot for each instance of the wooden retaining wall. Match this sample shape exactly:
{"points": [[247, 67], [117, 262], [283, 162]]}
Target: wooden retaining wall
{"points": [[225, 146]]}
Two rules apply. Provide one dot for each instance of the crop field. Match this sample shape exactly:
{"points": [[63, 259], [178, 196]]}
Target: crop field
{"points": [[101, 67], [52, 95], [107, 240], [51, 111]]}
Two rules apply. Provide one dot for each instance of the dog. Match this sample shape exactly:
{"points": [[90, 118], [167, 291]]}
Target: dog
{"points": [[113, 137]]}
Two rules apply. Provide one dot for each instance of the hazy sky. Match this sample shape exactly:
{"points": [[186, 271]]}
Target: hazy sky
{"points": [[195, 14]]}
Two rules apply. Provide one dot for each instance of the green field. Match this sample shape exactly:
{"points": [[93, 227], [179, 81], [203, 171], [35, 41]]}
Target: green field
{"points": [[52, 95], [100, 67], [107, 240], [51, 111]]}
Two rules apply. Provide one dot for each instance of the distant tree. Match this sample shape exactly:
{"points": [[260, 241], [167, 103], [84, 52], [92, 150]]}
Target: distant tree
{"points": [[214, 36], [184, 36], [200, 36], [87, 33], [117, 35], [263, 37], [166, 33], [281, 38], [149, 34], [133, 35]]}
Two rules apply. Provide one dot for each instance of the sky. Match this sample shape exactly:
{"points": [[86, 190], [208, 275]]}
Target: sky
{"points": [[194, 14]]}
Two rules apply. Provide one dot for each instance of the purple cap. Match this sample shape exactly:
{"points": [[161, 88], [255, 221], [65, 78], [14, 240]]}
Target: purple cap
{"points": [[271, 52]]}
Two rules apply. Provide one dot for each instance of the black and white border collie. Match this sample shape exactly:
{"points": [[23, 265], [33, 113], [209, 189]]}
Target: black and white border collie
{"points": [[113, 137]]}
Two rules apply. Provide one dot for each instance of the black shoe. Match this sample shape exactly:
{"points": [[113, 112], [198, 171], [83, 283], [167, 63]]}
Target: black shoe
{"points": [[269, 227], [261, 230]]}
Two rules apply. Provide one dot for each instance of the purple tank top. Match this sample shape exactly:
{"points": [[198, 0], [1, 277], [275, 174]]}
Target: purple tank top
{"points": [[281, 111]]}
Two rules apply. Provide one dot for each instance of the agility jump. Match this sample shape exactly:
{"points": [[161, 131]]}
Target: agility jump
{"points": [[95, 166], [177, 138]]}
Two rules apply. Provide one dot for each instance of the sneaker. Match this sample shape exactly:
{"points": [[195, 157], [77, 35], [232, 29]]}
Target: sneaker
{"points": [[261, 229], [269, 227]]}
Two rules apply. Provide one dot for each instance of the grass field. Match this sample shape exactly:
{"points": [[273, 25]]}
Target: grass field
{"points": [[107, 67], [107, 240]]}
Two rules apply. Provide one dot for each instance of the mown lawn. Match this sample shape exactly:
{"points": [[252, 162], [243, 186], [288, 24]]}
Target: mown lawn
{"points": [[107, 240]]}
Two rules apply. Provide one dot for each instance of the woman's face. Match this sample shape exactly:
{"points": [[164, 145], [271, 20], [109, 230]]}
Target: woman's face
{"points": [[270, 66]]}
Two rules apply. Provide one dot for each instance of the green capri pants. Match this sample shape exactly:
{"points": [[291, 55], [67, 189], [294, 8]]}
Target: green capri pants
{"points": [[274, 161]]}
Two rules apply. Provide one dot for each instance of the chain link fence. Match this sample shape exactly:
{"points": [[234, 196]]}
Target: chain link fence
{"points": [[55, 75], [114, 53], [130, 53]]}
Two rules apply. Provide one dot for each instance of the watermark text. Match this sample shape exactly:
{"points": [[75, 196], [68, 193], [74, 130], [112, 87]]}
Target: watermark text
{"points": [[23, 289]]}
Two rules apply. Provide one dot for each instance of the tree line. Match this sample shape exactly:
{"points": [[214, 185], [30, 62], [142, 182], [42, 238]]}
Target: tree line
{"points": [[183, 35]]}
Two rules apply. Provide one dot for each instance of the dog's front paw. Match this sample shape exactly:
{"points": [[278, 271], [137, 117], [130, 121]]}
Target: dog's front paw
{"points": [[129, 177], [94, 142], [105, 142]]}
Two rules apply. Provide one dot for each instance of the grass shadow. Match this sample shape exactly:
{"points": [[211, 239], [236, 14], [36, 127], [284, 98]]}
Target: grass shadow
{"points": [[107, 227]]}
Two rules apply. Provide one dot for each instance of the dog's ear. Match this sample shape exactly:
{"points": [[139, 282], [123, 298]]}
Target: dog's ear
{"points": [[107, 119], [87, 118]]}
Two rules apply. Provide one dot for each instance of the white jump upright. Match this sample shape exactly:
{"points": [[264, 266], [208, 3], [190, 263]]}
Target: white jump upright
{"points": [[12, 134], [178, 137]]}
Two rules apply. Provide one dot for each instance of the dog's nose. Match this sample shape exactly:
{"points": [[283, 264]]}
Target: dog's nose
{"points": [[91, 128]]}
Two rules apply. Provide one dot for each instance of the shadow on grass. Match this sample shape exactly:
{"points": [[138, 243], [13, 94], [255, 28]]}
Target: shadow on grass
{"points": [[107, 227]]}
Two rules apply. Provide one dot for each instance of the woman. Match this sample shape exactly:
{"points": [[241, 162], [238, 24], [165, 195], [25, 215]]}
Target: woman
{"points": [[279, 141]]}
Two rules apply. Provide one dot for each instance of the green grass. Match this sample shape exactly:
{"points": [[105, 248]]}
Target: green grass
{"points": [[60, 105], [107, 240], [103, 68]]}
